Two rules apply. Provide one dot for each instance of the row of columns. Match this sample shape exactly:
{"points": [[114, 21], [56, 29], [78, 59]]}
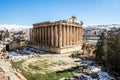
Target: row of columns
{"points": [[56, 35], [71, 35]]}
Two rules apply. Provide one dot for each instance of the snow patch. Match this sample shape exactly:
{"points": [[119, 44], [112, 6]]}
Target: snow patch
{"points": [[14, 53], [105, 76], [94, 69]]}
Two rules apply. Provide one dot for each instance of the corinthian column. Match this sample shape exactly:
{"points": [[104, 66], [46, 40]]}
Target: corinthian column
{"points": [[34, 36], [52, 38], [70, 39], [49, 35], [73, 35], [45, 35], [30, 39], [60, 36], [81, 34], [40, 35], [56, 36], [77, 35], [64, 36], [67, 41]]}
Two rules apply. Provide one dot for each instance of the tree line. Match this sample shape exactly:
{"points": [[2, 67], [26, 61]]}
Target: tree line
{"points": [[108, 51]]}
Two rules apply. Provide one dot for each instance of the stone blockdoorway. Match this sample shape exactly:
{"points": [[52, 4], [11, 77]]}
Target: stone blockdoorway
{"points": [[7, 47]]}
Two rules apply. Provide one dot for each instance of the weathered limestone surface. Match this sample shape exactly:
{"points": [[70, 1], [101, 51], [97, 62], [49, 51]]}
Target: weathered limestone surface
{"points": [[60, 36], [6, 70]]}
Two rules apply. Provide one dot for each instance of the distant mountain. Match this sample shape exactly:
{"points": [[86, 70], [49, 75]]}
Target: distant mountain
{"points": [[108, 27], [13, 27]]}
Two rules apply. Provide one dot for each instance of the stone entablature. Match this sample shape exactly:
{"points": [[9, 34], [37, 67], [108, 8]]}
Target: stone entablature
{"points": [[60, 36]]}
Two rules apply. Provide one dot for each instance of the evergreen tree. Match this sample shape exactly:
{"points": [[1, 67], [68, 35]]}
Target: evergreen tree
{"points": [[113, 57], [101, 51], [108, 51]]}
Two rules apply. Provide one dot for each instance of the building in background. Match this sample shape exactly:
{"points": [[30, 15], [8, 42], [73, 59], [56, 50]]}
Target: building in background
{"points": [[60, 37]]}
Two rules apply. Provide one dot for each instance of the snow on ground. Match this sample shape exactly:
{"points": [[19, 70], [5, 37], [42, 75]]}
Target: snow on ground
{"points": [[16, 55], [23, 53], [87, 63], [94, 69], [105, 76], [102, 75], [88, 77], [12, 53]]}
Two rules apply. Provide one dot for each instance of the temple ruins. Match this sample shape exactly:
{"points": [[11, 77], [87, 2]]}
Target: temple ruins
{"points": [[60, 36]]}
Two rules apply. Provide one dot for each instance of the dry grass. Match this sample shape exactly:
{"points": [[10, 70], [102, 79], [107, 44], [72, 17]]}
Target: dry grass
{"points": [[47, 67], [48, 63]]}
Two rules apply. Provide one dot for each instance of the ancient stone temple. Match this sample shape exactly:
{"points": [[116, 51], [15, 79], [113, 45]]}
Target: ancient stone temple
{"points": [[60, 36]]}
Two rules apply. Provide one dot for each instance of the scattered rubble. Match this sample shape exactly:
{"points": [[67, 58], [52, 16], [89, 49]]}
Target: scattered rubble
{"points": [[89, 71]]}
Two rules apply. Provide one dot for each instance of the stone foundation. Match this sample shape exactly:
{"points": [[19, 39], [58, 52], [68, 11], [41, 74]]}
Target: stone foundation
{"points": [[58, 50]]}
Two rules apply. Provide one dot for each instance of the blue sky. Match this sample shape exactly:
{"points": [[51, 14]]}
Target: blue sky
{"points": [[27, 12]]}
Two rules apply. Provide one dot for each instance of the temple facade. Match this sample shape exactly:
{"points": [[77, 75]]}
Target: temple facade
{"points": [[60, 36]]}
